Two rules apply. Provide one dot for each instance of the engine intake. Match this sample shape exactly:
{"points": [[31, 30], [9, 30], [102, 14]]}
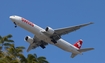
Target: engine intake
{"points": [[49, 30], [29, 39], [26, 38]]}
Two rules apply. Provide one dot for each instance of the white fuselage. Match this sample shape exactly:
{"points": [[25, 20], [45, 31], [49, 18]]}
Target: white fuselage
{"points": [[37, 31]]}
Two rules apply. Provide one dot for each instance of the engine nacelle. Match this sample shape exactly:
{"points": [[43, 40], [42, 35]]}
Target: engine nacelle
{"points": [[49, 30], [28, 39]]}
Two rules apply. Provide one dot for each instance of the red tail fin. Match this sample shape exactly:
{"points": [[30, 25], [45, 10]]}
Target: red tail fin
{"points": [[78, 44]]}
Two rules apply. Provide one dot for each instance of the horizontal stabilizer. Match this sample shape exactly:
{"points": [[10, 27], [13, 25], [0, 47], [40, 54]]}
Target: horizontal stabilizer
{"points": [[85, 49], [73, 55]]}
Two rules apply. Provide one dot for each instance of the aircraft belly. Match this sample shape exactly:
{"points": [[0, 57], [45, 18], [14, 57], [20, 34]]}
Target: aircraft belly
{"points": [[66, 46], [63, 45]]}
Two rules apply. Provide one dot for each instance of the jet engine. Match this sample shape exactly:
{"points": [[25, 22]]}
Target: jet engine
{"points": [[49, 30], [29, 39]]}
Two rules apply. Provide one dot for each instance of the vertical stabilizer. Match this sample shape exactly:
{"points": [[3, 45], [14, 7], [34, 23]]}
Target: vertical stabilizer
{"points": [[78, 44]]}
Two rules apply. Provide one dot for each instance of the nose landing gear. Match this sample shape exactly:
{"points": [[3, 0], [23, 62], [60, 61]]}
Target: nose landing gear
{"points": [[15, 24]]}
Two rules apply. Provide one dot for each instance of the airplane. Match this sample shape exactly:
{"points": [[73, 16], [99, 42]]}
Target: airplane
{"points": [[43, 37]]}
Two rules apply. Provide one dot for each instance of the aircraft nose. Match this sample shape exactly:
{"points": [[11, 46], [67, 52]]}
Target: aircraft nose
{"points": [[12, 18], [15, 18]]}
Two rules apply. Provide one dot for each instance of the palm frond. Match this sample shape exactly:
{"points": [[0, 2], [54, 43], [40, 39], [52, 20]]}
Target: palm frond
{"points": [[9, 40], [35, 55], [12, 45], [18, 50], [7, 44], [41, 57], [9, 36], [42, 60], [20, 47], [0, 37]]}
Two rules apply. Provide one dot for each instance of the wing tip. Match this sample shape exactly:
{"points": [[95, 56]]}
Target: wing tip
{"points": [[27, 50], [92, 48], [91, 23]]}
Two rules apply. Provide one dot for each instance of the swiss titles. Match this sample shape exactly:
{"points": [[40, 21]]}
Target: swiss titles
{"points": [[28, 22]]}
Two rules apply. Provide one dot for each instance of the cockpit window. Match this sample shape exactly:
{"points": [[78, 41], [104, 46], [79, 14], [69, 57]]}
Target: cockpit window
{"points": [[14, 15]]}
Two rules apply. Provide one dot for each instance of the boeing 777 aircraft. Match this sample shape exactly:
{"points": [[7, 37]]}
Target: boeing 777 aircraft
{"points": [[43, 37]]}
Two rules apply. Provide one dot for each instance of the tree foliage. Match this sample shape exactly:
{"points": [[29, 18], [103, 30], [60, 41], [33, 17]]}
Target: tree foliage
{"points": [[11, 54]]}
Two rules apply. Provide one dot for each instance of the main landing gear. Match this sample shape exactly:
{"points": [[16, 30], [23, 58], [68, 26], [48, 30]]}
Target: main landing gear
{"points": [[42, 46], [53, 40]]}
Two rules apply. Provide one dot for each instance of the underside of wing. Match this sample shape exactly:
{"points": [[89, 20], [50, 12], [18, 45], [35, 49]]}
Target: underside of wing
{"points": [[36, 43], [31, 46], [67, 30]]}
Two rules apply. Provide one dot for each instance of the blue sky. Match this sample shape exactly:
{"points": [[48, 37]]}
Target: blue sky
{"points": [[58, 14]]}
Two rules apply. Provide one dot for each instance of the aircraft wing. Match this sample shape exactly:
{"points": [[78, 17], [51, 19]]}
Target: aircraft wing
{"points": [[31, 46], [67, 30], [36, 43]]}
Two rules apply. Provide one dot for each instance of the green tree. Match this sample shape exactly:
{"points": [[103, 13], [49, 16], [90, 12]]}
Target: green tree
{"points": [[5, 41], [15, 52], [11, 54], [32, 58]]}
